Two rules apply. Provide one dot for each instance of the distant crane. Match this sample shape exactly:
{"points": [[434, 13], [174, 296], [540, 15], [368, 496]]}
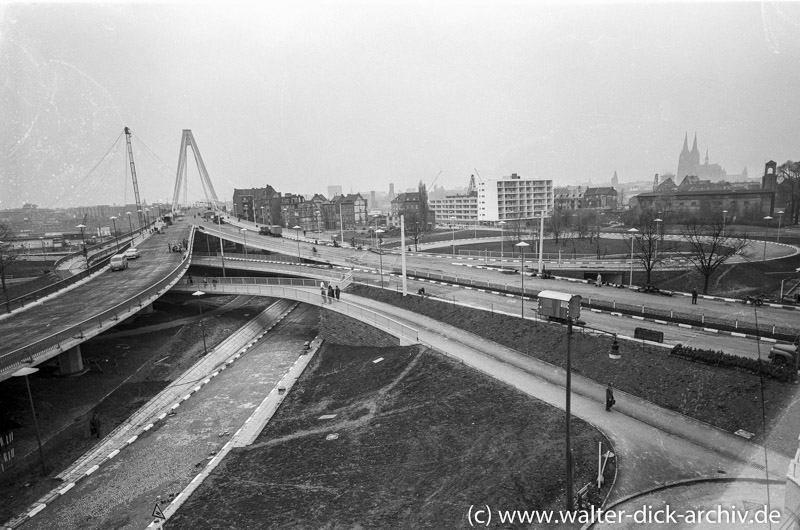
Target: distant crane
{"points": [[437, 178], [139, 212], [479, 175]]}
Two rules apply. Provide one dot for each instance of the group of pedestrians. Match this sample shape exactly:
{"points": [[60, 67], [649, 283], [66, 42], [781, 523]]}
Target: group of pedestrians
{"points": [[328, 292]]}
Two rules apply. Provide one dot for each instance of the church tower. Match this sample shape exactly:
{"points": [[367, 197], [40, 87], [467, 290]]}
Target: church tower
{"points": [[614, 179], [688, 161], [695, 156]]}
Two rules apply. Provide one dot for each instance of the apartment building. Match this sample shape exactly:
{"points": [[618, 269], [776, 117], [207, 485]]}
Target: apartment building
{"points": [[514, 197]]}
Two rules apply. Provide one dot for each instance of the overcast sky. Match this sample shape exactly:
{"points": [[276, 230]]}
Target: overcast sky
{"points": [[303, 95]]}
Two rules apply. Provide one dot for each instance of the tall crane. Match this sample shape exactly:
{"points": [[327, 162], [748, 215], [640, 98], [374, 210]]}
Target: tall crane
{"points": [[139, 212]]}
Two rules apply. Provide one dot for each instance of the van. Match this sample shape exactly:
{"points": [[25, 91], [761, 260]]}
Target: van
{"points": [[118, 262]]}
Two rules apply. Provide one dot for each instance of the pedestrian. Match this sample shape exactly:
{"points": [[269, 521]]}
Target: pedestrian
{"points": [[331, 294], [169, 247], [599, 282], [214, 283], [694, 295], [205, 281], [610, 401], [322, 291], [337, 291], [95, 425], [190, 280]]}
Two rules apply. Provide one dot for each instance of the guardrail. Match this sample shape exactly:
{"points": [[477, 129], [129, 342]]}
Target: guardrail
{"points": [[90, 327], [740, 325], [310, 295], [276, 267]]}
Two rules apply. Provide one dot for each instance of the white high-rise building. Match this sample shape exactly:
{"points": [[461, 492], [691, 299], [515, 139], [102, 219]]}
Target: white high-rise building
{"points": [[514, 197]]}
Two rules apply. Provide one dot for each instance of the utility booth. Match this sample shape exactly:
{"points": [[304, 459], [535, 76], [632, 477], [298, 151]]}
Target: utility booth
{"points": [[559, 306]]}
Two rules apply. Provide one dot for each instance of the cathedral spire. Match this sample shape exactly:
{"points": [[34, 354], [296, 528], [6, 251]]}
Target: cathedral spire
{"points": [[686, 142], [706, 155], [694, 145]]}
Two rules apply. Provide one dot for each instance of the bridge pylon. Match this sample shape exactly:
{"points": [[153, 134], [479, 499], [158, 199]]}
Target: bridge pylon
{"points": [[181, 180]]}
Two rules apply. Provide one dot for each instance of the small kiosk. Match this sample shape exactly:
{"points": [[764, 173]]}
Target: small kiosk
{"points": [[558, 306]]}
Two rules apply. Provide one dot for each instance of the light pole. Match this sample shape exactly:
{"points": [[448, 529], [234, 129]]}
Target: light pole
{"points": [[25, 372], [453, 224], [502, 236], [114, 219], [768, 219], [198, 294], [41, 240], [317, 214], [522, 246], [83, 244], [286, 217], [780, 218], [140, 219], [724, 218], [262, 216], [632, 232], [380, 251], [221, 247], [297, 235], [130, 225], [658, 227], [244, 233]]}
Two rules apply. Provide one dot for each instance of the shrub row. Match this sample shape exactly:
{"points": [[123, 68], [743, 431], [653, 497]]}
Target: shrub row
{"points": [[717, 358]]}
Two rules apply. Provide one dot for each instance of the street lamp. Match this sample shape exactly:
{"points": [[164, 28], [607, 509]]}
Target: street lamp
{"points": [[114, 219], [768, 219], [41, 240], [660, 234], [244, 232], [453, 224], [262, 216], [140, 220], [297, 236], [780, 218], [286, 217], [83, 243], [25, 372], [380, 251], [502, 237], [522, 246], [317, 214], [724, 218], [632, 232], [202, 329], [130, 225]]}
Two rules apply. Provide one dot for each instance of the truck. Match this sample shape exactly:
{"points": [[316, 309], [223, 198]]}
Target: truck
{"points": [[274, 231]]}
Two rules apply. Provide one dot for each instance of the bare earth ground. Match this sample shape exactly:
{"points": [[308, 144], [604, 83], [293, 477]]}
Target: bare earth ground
{"points": [[124, 374], [420, 438], [723, 397]]}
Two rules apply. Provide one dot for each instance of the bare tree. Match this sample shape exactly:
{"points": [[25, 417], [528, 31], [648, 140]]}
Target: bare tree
{"points": [[7, 256], [710, 246], [650, 248], [558, 224], [789, 175]]}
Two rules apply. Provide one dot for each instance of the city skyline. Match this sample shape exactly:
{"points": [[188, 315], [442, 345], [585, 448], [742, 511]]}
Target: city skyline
{"points": [[326, 94]]}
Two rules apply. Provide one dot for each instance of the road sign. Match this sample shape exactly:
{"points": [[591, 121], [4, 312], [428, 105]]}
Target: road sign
{"points": [[158, 513]]}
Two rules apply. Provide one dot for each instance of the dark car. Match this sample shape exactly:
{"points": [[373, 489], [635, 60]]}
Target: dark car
{"points": [[654, 290]]}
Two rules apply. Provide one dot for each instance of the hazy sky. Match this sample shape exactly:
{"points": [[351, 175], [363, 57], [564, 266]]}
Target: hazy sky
{"points": [[302, 95]]}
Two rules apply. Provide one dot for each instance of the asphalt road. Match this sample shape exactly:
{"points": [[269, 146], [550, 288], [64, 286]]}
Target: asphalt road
{"points": [[95, 296]]}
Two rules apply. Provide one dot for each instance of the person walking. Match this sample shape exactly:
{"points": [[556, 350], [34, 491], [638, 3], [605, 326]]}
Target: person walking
{"points": [[694, 295], [322, 291], [190, 280], [337, 291], [599, 282], [610, 401], [95, 425], [331, 294]]}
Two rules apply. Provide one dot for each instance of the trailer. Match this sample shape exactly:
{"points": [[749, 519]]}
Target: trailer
{"points": [[558, 306]]}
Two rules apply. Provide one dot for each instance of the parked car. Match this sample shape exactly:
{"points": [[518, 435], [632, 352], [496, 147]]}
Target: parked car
{"points": [[132, 253], [118, 262], [654, 290]]}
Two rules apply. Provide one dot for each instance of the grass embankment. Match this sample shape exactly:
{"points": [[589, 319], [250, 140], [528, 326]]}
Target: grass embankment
{"points": [[418, 439], [723, 397]]}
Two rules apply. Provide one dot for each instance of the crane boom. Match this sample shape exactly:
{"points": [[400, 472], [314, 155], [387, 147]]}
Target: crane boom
{"points": [[133, 176]]}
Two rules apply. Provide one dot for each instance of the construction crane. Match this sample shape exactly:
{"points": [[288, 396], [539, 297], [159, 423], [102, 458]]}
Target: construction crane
{"points": [[437, 178], [479, 175], [133, 175]]}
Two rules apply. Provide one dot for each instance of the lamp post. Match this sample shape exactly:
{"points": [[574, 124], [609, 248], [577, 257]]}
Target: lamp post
{"points": [[130, 225], [286, 217], [25, 372], [114, 219], [632, 232], [140, 218], [380, 251], [297, 236], [41, 240], [453, 224], [262, 216], [780, 218], [317, 214], [724, 218], [658, 227], [768, 219], [502, 236], [522, 246], [83, 243], [244, 233], [198, 294]]}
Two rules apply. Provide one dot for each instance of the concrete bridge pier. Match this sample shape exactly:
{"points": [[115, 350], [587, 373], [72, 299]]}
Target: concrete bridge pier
{"points": [[71, 361], [146, 310]]}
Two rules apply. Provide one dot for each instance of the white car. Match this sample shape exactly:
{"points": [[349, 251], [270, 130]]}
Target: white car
{"points": [[132, 253]]}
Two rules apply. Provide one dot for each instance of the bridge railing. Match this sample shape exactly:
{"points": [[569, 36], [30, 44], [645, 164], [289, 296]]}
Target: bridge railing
{"points": [[64, 339], [309, 296], [212, 283], [278, 266]]}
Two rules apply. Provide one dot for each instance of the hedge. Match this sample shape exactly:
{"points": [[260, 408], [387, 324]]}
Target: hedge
{"points": [[717, 358]]}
